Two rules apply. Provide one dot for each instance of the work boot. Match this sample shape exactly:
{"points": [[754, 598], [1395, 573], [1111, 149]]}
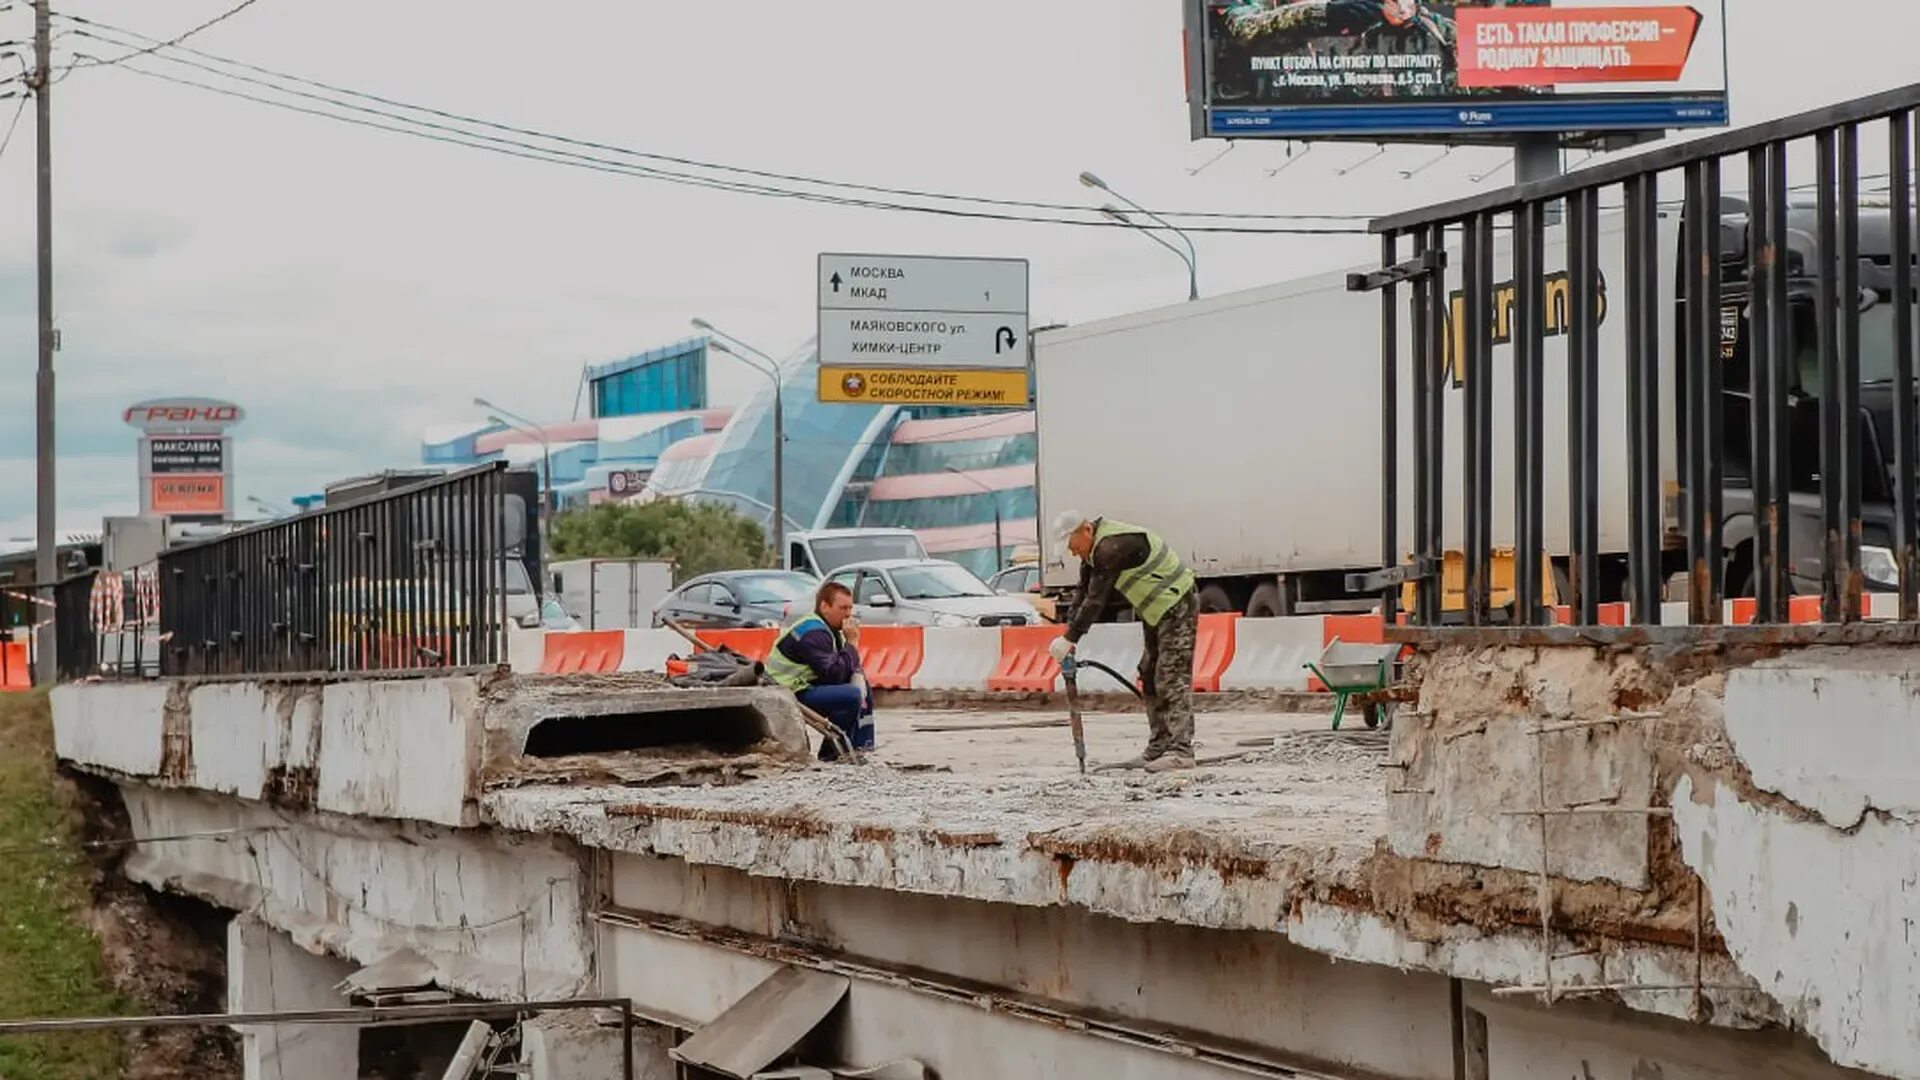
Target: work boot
{"points": [[1142, 760], [1170, 762]]}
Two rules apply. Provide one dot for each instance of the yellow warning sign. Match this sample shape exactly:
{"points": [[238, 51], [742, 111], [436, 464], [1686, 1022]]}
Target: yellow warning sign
{"points": [[924, 386]]}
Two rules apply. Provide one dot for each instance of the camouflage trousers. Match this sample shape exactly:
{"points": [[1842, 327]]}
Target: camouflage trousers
{"points": [[1166, 672]]}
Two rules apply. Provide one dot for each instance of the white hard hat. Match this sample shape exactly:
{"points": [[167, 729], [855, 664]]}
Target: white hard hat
{"points": [[1064, 523]]}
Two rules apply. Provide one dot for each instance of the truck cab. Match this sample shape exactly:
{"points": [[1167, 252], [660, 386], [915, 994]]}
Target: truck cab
{"points": [[821, 552], [1875, 358]]}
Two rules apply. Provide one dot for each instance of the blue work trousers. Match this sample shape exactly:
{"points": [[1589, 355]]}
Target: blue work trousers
{"points": [[847, 709]]}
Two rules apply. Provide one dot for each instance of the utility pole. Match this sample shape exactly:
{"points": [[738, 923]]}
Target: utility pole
{"points": [[46, 543]]}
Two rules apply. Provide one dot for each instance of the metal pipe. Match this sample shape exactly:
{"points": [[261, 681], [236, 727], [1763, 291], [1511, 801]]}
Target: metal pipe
{"points": [[1900, 177], [1425, 384], [1469, 370], [1781, 376], [1529, 410], [1852, 431], [1433, 544], [369, 1015], [1389, 425], [1832, 452]]}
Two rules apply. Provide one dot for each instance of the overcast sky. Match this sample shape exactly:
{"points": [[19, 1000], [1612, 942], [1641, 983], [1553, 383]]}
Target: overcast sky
{"points": [[349, 287]]}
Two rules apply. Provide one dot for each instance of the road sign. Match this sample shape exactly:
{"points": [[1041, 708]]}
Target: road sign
{"points": [[954, 320]]}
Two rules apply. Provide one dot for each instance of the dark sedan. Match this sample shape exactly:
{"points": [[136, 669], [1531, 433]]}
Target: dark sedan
{"points": [[737, 598]]}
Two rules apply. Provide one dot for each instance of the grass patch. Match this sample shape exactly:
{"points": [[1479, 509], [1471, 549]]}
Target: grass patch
{"points": [[49, 960]]}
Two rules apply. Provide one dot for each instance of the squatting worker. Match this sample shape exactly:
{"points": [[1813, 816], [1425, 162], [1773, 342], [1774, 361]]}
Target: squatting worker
{"points": [[1140, 567], [818, 658]]}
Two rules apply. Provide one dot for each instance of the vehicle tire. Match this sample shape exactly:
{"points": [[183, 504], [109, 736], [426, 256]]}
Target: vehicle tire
{"points": [[1214, 599], [1265, 601], [1740, 579]]}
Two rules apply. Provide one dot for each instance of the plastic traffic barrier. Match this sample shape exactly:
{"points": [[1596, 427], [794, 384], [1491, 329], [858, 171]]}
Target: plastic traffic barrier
{"points": [[15, 672], [647, 650], [891, 655], [1212, 651], [1118, 646], [957, 658], [754, 644], [1271, 654], [582, 652], [1025, 664]]}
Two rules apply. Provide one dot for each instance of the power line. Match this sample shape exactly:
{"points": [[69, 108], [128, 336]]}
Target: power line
{"points": [[669, 159], [513, 148], [157, 44], [11, 124]]}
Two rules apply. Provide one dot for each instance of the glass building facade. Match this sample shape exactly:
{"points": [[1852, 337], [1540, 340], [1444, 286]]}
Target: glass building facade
{"points": [[940, 471], [672, 378]]}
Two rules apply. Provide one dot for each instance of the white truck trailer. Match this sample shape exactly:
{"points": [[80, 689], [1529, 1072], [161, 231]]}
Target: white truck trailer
{"points": [[612, 594], [1246, 429]]}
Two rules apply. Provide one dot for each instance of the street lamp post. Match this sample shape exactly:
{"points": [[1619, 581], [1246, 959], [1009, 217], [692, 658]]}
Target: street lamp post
{"points": [[1189, 256], [999, 544], [768, 366], [525, 426]]}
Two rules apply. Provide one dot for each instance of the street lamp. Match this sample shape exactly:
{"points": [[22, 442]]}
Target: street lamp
{"points": [[1189, 256], [768, 366], [525, 426], [999, 546]]}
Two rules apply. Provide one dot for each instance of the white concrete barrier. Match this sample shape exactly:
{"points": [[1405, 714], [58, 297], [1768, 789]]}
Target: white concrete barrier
{"points": [[118, 726], [1271, 654], [647, 650], [958, 658], [1117, 645], [525, 650]]}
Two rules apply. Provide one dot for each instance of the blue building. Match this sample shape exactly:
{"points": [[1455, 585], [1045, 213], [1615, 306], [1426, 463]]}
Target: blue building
{"points": [[639, 407], [942, 472], [672, 378]]}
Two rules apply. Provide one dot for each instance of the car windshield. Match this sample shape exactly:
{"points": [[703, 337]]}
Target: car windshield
{"points": [[946, 581], [832, 553], [773, 588]]}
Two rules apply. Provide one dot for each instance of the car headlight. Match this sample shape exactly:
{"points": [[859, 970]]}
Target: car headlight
{"points": [[943, 618], [1879, 566]]}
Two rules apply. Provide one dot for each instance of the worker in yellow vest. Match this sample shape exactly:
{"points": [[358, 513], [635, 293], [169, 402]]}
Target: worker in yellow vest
{"points": [[817, 657], [1121, 562]]}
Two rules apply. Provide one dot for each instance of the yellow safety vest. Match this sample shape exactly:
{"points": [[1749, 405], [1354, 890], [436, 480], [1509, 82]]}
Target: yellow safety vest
{"points": [[787, 671], [1155, 586]]}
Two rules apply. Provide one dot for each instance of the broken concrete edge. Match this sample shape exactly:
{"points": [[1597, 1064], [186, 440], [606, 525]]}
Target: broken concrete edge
{"points": [[529, 936], [1288, 701], [406, 749], [1186, 882]]}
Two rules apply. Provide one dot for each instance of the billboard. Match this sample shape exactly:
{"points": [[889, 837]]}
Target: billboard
{"points": [[1453, 70], [186, 459]]}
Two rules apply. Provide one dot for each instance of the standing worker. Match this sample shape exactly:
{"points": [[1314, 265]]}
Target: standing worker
{"points": [[1148, 574], [818, 658]]}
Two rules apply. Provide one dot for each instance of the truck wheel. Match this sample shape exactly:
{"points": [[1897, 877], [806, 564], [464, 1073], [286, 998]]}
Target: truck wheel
{"points": [[1214, 599], [1265, 601]]}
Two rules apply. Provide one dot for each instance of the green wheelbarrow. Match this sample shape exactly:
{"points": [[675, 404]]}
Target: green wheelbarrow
{"points": [[1349, 670]]}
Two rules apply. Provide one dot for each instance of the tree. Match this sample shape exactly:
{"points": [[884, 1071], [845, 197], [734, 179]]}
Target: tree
{"points": [[698, 537]]}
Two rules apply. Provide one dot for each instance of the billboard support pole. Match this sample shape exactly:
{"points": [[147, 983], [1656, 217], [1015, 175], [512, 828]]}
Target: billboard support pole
{"points": [[1537, 157]]}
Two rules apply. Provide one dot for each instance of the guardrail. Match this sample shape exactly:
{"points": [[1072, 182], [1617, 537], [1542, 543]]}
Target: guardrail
{"points": [[408, 581], [1781, 280]]}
